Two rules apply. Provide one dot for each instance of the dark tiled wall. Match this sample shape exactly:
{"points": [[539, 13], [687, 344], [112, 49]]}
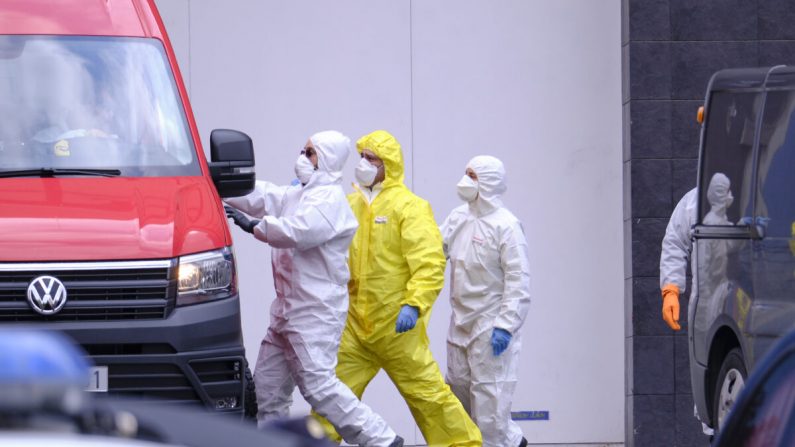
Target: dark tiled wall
{"points": [[670, 50]]}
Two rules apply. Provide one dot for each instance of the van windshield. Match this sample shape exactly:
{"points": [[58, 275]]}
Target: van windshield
{"points": [[91, 103]]}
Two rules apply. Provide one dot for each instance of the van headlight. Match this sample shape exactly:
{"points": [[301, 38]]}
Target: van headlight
{"points": [[206, 276]]}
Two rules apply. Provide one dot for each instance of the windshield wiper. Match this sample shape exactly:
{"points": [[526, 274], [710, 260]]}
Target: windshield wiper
{"points": [[56, 172]]}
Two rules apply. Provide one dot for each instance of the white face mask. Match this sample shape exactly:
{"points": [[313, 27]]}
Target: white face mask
{"points": [[304, 169], [467, 189], [365, 172]]}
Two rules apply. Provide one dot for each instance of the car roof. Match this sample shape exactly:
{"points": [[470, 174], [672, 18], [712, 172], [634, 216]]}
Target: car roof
{"points": [[780, 76], [130, 18]]}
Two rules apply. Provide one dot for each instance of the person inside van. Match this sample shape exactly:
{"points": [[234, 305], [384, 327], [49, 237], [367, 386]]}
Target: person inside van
{"points": [[310, 227], [713, 259]]}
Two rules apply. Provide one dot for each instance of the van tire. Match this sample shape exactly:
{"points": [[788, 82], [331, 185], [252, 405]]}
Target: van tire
{"points": [[250, 398], [731, 380]]}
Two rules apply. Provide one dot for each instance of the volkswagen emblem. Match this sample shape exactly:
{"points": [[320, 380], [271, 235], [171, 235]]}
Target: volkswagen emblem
{"points": [[46, 295]]}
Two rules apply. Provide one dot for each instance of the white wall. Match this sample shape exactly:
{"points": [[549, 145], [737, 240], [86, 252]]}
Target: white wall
{"points": [[536, 83]]}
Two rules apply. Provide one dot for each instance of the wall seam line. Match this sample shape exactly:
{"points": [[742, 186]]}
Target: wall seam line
{"points": [[190, 58], [411, 90]]}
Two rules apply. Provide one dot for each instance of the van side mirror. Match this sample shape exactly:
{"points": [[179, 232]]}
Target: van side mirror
{"points": [[232, 166]]}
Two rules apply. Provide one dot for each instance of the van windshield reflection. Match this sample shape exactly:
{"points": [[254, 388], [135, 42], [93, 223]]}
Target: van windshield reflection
{"points": [[87, 103]]}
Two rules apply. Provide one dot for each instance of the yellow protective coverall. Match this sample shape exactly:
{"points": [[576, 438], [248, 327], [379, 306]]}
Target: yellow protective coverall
{"points": [[396, 258]]}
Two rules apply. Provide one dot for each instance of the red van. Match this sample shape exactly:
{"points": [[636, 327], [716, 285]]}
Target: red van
{"points": [[112, 228]]}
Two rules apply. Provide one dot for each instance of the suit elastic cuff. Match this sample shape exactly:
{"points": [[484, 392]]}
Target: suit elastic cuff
{"points": [[670, 289], [261, 231], [420, 309], [501, 323]]}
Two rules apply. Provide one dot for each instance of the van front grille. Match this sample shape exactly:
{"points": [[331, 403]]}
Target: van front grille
{"points": [[96, 291]]}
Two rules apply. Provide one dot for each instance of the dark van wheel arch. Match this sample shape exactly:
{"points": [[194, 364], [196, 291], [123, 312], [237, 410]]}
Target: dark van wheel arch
{"points": [[730, 381]]}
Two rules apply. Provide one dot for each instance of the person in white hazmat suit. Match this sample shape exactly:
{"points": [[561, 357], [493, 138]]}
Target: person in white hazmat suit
{"points": [[677, 247], [677, 244], [490, 297], [309, 227]]}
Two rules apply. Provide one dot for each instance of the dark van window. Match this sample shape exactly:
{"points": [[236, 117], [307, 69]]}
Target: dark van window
{"points": [[725, 187], [775, 203]]}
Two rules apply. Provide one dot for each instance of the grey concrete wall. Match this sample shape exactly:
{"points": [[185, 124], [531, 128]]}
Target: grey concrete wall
{"points": [[536, 83], [670, 50]]}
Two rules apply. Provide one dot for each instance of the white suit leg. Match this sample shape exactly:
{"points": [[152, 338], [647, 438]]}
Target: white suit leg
{"points": [[458, 375], [273, 379], [493, 382], [313, 358]]}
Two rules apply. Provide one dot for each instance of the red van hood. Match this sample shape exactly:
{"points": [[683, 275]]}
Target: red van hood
{"points": [[103, 219]]}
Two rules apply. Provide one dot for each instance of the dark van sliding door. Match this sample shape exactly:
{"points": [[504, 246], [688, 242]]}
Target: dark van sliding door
{"points": [[774, 218]]}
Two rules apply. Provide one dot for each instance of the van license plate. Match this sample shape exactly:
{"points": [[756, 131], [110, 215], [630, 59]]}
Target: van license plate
{"points": [[98, 379]]}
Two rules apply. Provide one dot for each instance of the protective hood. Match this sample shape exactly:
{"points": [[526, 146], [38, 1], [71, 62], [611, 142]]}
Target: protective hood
{"points": [[332, 152], [719, 193], [492, 183], [386, 147]]}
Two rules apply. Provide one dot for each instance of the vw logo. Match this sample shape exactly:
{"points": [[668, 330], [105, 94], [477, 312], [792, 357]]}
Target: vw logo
{"points": [[46, 295]]}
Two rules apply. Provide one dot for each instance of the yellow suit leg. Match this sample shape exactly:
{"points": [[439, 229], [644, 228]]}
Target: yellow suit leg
{"points": [[407, 360]]}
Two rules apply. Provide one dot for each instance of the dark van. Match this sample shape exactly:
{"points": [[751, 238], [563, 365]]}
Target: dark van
{"points": [[744, 237]]}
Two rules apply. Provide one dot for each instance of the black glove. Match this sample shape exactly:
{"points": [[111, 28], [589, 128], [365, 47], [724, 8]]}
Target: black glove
{"points": [[241, 220]]}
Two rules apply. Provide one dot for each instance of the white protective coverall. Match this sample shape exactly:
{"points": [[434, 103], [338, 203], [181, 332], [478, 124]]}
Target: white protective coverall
{"points": [[676, 244], [490, 288], [310, 229]]}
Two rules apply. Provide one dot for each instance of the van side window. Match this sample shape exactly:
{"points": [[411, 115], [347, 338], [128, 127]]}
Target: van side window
{"points": [[725, 189], [775, 201]]}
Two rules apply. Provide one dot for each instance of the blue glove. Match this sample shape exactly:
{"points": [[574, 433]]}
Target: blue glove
{"points": [[761, 221], [241, 220], [499, 340], [407, 318], [746, 220]]}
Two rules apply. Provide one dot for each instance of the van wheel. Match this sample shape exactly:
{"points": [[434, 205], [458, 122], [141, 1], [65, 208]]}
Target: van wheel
{"points": [[731, 380], [250, 398]]}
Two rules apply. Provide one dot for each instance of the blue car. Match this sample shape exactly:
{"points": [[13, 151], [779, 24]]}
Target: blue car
{"points": [[764, 413], [43, 401]]}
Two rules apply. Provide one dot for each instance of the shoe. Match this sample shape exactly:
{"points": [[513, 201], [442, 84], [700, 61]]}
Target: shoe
{"points": [[523, 443], [398, 442]]}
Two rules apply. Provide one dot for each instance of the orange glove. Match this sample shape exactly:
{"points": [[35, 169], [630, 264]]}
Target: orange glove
{"points": [[670, 307]]}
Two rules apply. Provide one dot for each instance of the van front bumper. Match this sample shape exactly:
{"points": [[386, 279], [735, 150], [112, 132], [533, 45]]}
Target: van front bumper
{"points": [[194, 356]]}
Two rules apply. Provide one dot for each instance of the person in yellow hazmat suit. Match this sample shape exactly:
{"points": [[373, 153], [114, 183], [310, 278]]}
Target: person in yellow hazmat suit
{"points": [[397, 271]]}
